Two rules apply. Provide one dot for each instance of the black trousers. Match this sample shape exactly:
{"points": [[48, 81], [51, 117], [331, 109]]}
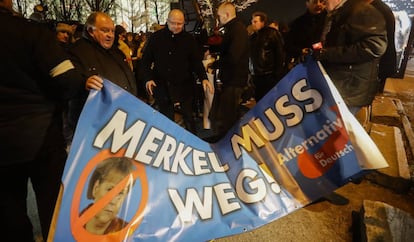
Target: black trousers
{"points": [[45, 173], [225, 110], [263, 84], [165, 105]]}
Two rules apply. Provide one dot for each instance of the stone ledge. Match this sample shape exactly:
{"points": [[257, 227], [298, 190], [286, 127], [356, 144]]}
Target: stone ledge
{"points": [[390, 111], [397, 175], [378, 221]]}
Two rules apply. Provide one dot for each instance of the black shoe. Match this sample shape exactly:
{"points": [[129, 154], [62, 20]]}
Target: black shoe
{"points": [[357, 180], [335, 199]]}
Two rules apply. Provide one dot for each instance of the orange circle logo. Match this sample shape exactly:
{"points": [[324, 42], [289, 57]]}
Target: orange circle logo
{"points": [[78, 221]]}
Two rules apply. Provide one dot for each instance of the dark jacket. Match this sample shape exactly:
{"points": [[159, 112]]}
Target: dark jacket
{"points": [[92, 59], [171, 60], [234, 54], [303, 32], [29, 92], [388, 62], [267, 52], [355, 43]]}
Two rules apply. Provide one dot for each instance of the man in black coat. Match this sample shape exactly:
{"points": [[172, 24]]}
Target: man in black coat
{"points": [[267, 55], [355, 40], [233, 65], [96, 54], [35, 78], [305, 30], [170, 60], [388, 62]]}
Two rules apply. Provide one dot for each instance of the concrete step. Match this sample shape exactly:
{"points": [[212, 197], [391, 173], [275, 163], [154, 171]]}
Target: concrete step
{"points": [[397, 175], [378, 221], [391, 134], [390, 111]]}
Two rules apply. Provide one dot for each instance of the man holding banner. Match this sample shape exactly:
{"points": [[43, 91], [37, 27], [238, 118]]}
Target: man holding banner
{"points": [[353, 41]]}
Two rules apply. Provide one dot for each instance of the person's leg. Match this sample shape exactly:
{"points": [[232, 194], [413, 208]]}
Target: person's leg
{"points": [[259, 86], [13, 208], [46, 175], [227, 109], [263, 84], [163, 103], [187, 112]]}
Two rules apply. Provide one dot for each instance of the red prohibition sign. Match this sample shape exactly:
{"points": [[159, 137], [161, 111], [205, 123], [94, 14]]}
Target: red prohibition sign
{"points": [[78, 221]]}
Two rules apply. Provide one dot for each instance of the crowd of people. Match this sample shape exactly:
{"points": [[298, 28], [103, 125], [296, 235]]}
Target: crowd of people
{"points": [[46, 76]]}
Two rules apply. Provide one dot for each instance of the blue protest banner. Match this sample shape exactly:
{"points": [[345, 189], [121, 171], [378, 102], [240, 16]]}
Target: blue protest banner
{"points": [[133, 175]]}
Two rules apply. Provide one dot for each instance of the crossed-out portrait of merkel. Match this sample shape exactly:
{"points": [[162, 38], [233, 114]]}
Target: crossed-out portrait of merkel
{"points": [[105, 177]]}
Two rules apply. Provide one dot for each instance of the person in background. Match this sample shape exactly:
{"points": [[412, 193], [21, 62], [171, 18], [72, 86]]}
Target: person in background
{"points": [[64, 34], [305, 31], [94, 54], [120, 37], [141, 43], [132, 44], [267, 55], [64, 37], [77, 31], [170, 59], [36, 77], [233, 66], [39, 13], [388, 62]]}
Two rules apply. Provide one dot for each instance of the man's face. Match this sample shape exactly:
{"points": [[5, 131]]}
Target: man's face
{"points": [[257, 24], [175, 23], [315, 6], [222, 16], [331, 4], [103, 32], [63, 36]]}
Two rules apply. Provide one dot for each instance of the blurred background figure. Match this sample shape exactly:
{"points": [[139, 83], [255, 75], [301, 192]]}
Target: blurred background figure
{"points": [[233, 66], [305, 31], [64, 34], [388, 62], [39, 13], [120, 38], [274, 24], [267, 55], [170, 62]]}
